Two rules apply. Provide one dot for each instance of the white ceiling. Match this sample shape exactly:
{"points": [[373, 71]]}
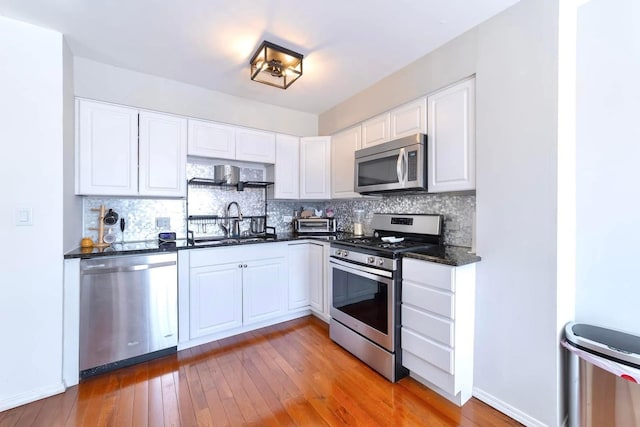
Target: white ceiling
{"points": [[348, 44]]}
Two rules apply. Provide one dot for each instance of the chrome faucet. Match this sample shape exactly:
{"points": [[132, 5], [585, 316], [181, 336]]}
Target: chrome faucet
{"points": [[235, 231]]}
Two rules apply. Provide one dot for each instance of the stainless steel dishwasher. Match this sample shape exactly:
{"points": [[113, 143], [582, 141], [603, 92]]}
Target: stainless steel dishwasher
{"points": [[128, 310]]}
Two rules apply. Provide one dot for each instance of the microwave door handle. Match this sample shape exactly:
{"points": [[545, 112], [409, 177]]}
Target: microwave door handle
{"points": [[400, 166]]}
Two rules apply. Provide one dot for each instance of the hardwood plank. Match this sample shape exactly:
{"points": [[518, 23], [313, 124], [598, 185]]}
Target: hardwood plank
{"points": [[156, 413], [140, 406], [170, 400], [110, 400], [283, 375], [185, 404], [9, 418], [30, 413], [123, 415]]}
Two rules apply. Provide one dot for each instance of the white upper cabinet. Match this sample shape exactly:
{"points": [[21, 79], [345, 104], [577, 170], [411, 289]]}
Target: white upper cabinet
{"points": [[163, 155], [209, 139], [409, 119], [376, 130], [315, 164], [343, 146], [285, 173], [106, 149], [255, 146], [220, 141], [124, 152], [451, 142]]}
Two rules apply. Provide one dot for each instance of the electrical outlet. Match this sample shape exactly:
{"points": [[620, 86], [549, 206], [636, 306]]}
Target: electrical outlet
{"points": [[163, 222], [287, 218]]}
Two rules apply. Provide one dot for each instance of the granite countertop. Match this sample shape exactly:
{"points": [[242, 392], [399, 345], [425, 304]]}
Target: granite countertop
{"points": [[152, 246], [449, 255]]}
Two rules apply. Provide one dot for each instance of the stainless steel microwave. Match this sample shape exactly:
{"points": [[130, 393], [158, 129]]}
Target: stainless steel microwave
{"points": [[398, 165]]}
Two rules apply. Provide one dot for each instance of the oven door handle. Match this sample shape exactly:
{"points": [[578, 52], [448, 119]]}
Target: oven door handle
{"points": [[367, 272]]}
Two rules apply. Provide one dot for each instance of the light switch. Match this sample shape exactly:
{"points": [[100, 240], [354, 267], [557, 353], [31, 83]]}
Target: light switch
{"points": [[24, 216]]}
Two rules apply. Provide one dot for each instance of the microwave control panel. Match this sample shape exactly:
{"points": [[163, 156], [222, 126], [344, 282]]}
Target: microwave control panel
{"points": [[412, 164]]}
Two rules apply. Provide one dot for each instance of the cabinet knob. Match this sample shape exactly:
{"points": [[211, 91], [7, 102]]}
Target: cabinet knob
{"points": [[245, 265], [239, 265]]}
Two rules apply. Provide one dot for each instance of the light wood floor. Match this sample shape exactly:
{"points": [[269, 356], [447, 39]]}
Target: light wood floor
{"points": [[287, 374]]}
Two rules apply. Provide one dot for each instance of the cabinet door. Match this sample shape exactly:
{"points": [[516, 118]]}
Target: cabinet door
{"points": [[163, 155], [409, 119], [209, 139], [343, 146], [376, 130], [286, 171], [315, 164], [316, 276], [255, 146], [106, 149], [215, 299], [299, 275], [264, 289], [451, 143]]}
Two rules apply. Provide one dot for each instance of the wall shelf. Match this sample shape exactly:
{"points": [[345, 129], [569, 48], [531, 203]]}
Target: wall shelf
{"points": [[240, 186], [201, 223]]}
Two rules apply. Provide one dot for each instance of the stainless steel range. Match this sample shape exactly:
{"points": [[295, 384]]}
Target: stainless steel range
{"points": [[366, 280]]}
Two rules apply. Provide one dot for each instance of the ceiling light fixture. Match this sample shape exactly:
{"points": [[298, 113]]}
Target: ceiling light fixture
{"points": [[275, 65]]}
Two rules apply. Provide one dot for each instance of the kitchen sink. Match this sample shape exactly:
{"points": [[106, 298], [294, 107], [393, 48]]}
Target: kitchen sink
{"points": [[232, 241]]}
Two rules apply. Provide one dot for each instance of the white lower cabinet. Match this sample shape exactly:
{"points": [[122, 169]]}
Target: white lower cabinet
{"points": [[229, 290], [316, 277], [215, 299], [298, 275], [308, 277], [264, 289], [438, 306]]}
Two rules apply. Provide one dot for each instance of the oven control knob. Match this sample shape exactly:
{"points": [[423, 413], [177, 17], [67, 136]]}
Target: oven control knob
{"points": [[338, 252], [380, 262], [371, 260], [345, 253]]}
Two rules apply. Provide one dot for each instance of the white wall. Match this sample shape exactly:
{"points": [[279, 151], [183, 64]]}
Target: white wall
{"points": [[103, 82], [608, 153], [440, 68], [516, 123], [72, 219], [31, 135], [515, 58]]}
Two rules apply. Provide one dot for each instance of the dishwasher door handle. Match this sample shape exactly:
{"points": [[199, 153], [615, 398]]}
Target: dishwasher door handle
{"points": [[101, 269]]}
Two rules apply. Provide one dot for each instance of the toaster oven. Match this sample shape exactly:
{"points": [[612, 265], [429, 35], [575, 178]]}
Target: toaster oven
{"points": [[314, 225]]}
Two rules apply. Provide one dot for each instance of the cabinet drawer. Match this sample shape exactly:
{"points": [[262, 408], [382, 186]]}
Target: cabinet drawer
{"points": [[433, 300], [429, 273], [436, 376], [432, 352], [432, 327]]}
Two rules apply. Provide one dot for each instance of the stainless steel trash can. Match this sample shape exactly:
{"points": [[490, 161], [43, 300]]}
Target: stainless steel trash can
{"points": [[604, 372]]}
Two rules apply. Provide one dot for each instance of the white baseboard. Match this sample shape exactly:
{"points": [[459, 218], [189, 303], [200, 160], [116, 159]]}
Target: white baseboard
{"points": [[242, 329], [507, 409], [31, 396], [324, 317]]}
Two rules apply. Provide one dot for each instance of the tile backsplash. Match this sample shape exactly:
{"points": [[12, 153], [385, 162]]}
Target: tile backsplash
{"points": [[140, 213]]}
